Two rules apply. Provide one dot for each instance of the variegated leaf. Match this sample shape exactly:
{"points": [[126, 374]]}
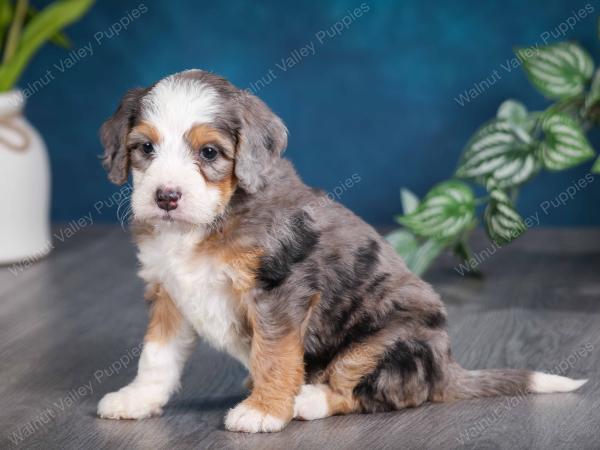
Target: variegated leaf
{"points": [[417, 256], [513, 112], [410, 201], [593, 97], [565, 144], [444, 212], [502, 223], [404, 242], [596, 166], [499, 151], [558, 71], [424, 256]]}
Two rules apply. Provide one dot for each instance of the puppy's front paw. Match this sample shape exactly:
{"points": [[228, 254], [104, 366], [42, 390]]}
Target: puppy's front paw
{"points": [[130, 403], [250, 420]]}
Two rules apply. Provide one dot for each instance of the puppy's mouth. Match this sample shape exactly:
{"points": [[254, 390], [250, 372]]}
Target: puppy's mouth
{"points": [[174, 218], [166, 217]]}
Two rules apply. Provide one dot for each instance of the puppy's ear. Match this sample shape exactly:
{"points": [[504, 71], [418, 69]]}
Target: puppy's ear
{"points": [[113, 134], [262, 139]]}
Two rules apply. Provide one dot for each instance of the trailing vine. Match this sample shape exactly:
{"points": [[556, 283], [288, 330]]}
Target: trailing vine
{"points": [[502, 156]]}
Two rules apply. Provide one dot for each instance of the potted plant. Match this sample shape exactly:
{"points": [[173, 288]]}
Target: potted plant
{"points": [[502, 156], [24, 168]]}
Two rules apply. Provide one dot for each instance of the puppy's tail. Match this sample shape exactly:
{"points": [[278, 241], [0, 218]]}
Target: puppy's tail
{"points": [[465, 384]]}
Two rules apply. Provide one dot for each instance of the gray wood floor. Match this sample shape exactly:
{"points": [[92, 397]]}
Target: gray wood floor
{"points": [[71, 325]]}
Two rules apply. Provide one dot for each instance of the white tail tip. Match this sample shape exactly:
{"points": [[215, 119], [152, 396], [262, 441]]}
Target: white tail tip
{"points": [[545, 383]]}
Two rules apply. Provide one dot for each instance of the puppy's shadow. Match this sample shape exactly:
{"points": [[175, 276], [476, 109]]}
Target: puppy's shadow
{"points": [[221, 403]]}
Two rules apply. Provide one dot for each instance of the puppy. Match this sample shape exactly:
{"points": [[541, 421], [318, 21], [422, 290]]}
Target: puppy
{"points": [[236, 249]]}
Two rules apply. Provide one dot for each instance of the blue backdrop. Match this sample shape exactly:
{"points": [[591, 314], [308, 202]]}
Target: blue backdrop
{"points": [[382, 96]]}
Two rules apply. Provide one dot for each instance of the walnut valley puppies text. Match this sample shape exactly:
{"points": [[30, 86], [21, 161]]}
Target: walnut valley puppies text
{"points": [[79, 54], [298, 54], [509, 64], [73, 227]]}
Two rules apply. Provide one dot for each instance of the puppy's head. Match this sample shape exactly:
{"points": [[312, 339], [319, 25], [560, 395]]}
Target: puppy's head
{"points": [[190, 141]]}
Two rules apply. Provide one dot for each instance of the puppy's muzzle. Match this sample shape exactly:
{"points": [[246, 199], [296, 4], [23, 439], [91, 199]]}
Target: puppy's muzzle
{"points": [[167, 199]]}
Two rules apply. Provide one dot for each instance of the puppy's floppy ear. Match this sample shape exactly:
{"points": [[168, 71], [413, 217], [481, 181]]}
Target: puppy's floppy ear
{"points": [[113, 134], [262, 139]]}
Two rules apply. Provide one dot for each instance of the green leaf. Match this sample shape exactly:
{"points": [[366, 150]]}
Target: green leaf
{"points": [[14, 30], [404, 242], [498, 150], [513, 112], [596, 166], [565, 144], [409, 201], [593, 97], [44, 25], [59, 39], [502, 223], [418, 257], [558, 71], [425, 255], [6, 13], [446, 210]]}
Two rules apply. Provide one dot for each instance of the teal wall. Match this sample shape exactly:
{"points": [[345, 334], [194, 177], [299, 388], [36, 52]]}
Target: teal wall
{"points": [[378, 97]]}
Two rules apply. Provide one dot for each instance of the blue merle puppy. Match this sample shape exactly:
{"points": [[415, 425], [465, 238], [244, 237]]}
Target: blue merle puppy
{"points": [[236, 249]]}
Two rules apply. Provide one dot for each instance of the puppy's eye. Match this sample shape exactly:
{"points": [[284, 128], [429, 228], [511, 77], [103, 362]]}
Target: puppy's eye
{"points": [[209, 153], [147, 148]]}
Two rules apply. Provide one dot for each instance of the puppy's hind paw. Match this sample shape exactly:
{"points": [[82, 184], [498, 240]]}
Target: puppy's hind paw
{"points": [[311, 402]]}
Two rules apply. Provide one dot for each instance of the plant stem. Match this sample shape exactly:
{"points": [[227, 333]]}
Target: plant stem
{"points": [[482, 200], [14, 34], [565, 104], [463, 251], [557, 107]]}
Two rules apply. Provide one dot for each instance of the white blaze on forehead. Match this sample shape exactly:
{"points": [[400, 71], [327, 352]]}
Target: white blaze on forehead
{"points": [[173, 107], [175, 104]]}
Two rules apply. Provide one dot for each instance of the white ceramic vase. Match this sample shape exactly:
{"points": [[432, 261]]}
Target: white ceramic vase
{"points": [[24, 186]]}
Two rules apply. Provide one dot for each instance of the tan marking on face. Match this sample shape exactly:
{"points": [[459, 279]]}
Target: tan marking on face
{"points": [[143, 132], [277, 370], [201, 135], [226, 189], [165, 318]]}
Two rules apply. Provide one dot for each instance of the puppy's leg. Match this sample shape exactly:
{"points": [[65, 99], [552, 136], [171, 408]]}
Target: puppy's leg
{"points": [[277, 370], [167, 345], [339, 389], [333, 391]]}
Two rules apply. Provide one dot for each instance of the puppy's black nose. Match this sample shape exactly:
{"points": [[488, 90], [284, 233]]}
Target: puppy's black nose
{"points": [[167, 198]]}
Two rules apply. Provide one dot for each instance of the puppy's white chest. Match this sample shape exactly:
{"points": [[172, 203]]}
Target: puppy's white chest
{"points": [[199, 286]]}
